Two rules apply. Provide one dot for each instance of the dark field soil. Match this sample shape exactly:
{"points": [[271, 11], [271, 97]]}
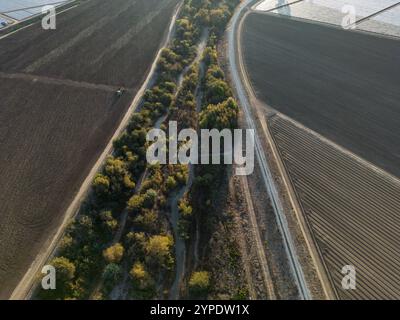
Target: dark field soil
{"points": [[53, 131], [343, 85], [101, 41], [352, 210]]}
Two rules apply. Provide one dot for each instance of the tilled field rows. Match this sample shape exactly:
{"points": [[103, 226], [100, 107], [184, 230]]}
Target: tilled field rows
{"points": [[352, 211], [343, 85]]}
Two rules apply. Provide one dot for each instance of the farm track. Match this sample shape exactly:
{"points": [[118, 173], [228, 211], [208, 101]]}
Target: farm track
{"points": [[52, 134], [180, 245], [244, 94], [60, 82], [351, 209], [261, 254]]}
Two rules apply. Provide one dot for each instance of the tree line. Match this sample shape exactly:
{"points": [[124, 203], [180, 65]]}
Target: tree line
{"points": [[87, 250]]}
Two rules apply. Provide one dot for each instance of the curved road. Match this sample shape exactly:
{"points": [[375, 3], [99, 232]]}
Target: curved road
{"points": [[234, 56]]}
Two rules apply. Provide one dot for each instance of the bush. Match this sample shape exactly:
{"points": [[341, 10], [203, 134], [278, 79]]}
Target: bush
{"points": [[149, 198], [147, 220], [65, 273], [114, 253], [199, 282], [141, 277], [111, 275], [135, 203], [101, 185], [171, 183], [158, 250]]}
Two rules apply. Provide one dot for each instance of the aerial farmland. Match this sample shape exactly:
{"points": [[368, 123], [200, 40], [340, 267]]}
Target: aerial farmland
{"points": [[59, 110], [105, 105], [330, 97]]}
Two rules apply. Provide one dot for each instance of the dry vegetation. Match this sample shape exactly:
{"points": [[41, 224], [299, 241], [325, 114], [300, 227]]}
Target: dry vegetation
{"points": [[120, 245]]}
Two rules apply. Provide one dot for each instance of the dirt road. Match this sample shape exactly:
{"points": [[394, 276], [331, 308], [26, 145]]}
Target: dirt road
{"points": [[236, 70]]}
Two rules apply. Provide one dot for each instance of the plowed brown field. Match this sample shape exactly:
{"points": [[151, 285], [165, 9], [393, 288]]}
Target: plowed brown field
{"points": [[352, 210]]}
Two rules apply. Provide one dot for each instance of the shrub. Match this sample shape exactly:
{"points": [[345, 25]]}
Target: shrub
{"points": [[147, 220], [199, 282], [101, 185], [114, 253], [135, 203], [111, 275], [171, 183], [149, 198], [141, 277], [158, 250]]}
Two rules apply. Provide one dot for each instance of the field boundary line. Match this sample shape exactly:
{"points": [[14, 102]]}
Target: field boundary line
{"points": [[342, 149], [26, 285], [329, 24], [374, 14], [253, 8]]}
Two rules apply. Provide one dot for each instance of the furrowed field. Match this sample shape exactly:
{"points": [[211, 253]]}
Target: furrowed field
{"points": [[58, 109], [351, 209], [345, 87]]}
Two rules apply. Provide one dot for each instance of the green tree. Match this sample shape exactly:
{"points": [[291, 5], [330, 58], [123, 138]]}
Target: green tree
{"points": [[158, 250], [220, 116], [114, 253], [140, 276], [135, 203], [217, 91], [101, 185], [65, 273], [111, 275], [171, 183], [147, 220], [199, 282], [149, 198]]}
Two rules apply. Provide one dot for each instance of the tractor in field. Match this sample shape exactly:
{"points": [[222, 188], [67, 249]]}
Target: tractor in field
{"points": [[119, 92]]}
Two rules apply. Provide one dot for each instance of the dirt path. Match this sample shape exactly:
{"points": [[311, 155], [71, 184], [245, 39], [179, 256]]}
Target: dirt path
{"points": [[180, 246], [120, 291], [61, 82], [258, 241], [118, 235]]}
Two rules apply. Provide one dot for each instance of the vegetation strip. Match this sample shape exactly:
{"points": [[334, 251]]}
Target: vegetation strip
{"points": [[89, 247]]}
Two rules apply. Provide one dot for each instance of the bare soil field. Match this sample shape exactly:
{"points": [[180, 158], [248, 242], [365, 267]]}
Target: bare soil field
{"points": [[351, 209], [100, 41], [58, 110], [344, 85]]}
